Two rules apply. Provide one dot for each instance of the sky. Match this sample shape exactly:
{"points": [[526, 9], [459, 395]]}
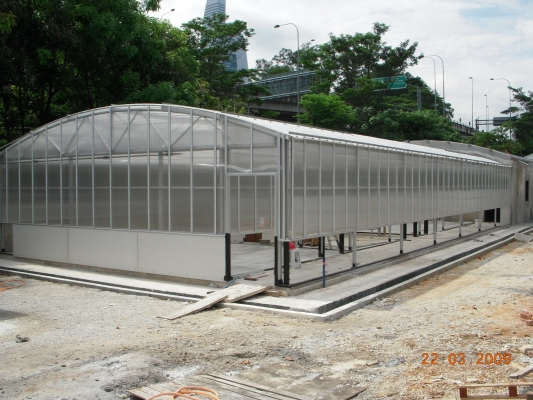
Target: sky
{"points": [[481, 39]]}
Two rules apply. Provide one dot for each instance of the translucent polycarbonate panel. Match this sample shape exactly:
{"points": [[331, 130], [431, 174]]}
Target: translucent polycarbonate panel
{"points": [[3, 187], [401, 192], [434, 188], [25, 148], [351, 160], [233, 187], [39, 145], [204, 191], [312, 192], [264, 204], [54, 190], [13, 183], [416, 188], [203, 132], [443, 184], [85, 192], [119, 194], [298, 208], [138, 133], [180, 128], [220, 193], [102, 133], [180, 180], [119, 137], [409, 177], [383, 187], [265, 152], [393, 188], [247, 204], [159, 192], [102, 199], [39, 191], [159, 125], [68, 144], [69, 191], [423, 187], [239, 150], [340, 188], [85, 137], [364, 174], [26, 191], [139, 208], [373, 212], [326, 193]]}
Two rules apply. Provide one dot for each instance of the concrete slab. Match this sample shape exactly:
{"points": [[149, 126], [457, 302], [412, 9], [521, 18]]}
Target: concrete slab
{"points": [[361, 287]]}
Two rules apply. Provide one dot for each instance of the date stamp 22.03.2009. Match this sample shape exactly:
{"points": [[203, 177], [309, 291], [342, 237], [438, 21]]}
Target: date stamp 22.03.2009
{"points": [[462, 359]]}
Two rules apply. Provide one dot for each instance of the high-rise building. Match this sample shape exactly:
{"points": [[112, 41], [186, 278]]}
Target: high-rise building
{"points": [[215, 7], [239, 59]]}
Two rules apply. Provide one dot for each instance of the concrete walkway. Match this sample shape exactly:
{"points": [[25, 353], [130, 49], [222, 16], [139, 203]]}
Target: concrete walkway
{"points": [[355, 289]]}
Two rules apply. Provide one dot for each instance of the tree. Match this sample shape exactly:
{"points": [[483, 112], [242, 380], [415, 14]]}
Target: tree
{"points": [[327, 111], [521, 126], [345, 58], [497, 139]]}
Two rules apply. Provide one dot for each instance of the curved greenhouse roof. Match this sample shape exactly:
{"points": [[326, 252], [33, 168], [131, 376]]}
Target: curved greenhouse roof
{"points": [[116, 116]]}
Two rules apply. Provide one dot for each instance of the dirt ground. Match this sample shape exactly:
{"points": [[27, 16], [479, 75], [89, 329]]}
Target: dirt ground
{"points": [[89, 344]]}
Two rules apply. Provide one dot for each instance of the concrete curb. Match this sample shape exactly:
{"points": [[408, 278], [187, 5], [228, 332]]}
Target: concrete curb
{"points": [[347, 308], [335, 313]]}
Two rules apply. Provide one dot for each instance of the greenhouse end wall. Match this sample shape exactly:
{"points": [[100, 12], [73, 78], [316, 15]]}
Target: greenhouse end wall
{"points": [[152, 253]]}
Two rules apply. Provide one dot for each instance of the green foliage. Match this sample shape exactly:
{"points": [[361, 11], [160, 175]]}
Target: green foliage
{"points": [[7, 21], [327, 111], [345, 58], [521, 126], [270, 114], [498, 139], [63, 56]]}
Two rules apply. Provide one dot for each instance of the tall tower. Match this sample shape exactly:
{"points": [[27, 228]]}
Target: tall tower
{"points": [[215, 7], [239, 59]]}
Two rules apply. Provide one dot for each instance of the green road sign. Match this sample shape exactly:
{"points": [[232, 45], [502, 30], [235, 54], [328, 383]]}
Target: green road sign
{"points": [[393, 82]]}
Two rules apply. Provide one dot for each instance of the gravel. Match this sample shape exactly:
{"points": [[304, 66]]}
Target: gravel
{"points": [[87, 343]]}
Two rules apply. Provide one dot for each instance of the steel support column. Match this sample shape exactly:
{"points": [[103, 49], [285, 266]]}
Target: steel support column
{"points": [[402, 233], [228, 276], [286, 263]]}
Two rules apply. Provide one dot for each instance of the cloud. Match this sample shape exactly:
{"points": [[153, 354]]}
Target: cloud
{"points": [[479, 38]]}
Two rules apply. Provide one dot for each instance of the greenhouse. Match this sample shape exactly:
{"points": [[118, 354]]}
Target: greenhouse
{"points": [[160, 189]]}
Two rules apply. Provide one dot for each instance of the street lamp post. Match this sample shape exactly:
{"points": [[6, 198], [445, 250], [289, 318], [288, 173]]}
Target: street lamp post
{"points": [[298, 68], [443, 93], [435, 81], [508, 87], [472, 100], [172, 10], [487, 112]]}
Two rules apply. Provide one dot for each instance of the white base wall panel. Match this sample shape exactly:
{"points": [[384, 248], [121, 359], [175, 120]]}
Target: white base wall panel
{"points": [[186, 256], [41, 242]]}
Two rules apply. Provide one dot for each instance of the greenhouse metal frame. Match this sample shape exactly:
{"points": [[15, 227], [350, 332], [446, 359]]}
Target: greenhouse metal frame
{"points": [[177, 170]]}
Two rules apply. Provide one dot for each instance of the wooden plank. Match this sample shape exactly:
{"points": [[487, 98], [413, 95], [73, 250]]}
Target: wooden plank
{"points": [[237, 393], [523, 372], [137, 394], [224, 391], [248, 389], [495, 385], [494, 396], [240, 292], [261, 387], [193, 308]]}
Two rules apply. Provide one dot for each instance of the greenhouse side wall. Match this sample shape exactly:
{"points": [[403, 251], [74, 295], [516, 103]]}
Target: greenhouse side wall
{"points": [[152, 253]]}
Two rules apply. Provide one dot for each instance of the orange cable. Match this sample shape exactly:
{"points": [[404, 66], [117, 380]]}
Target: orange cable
{"points": [[186, 390]]}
